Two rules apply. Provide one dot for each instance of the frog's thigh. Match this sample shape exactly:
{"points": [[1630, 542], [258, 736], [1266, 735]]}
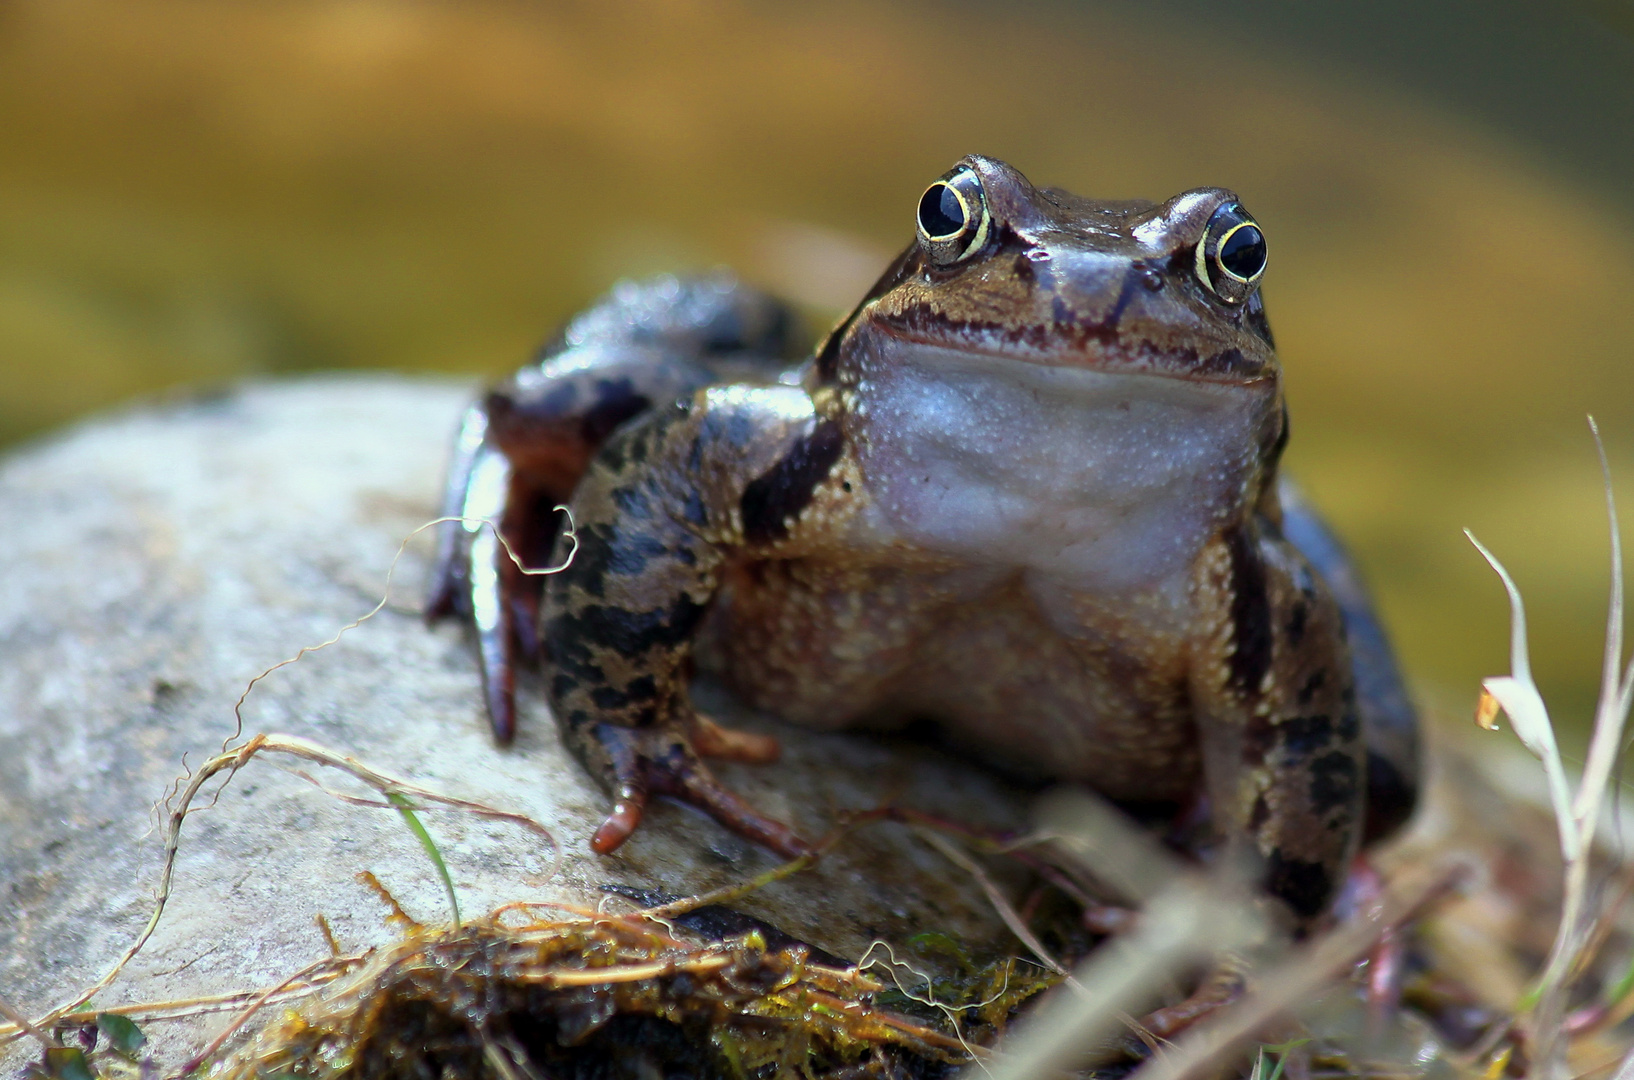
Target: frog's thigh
{"points": [[1283, 747], [1389, 720]]}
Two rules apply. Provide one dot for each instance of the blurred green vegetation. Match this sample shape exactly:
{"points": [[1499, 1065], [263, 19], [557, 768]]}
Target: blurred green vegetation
{"points": [[194, 192]]}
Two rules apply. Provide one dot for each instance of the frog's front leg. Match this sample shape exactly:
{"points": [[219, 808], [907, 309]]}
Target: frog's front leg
{"points": [[522, 449], [662, 510], [1283, 746]]}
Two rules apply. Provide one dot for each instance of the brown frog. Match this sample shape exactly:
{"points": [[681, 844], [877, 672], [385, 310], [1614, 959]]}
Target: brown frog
{"points": [[1027, 489]]}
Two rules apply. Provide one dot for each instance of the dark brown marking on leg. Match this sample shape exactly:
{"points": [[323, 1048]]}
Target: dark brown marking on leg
{"points": [[640, 694], [593, 561], [1250, 614], [1304, 886], [1312, 685], [1391, 797], [1293, 736], [775, 498], [1334, 781], [1296, 623], [576, 639]]}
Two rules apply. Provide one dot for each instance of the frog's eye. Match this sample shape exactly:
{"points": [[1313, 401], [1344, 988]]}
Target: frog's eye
{"points": [[1231, 255], [953, 218]]}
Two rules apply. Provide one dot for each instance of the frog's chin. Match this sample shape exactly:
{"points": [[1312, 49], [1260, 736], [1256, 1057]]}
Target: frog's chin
{"points": [[1111, 479]]}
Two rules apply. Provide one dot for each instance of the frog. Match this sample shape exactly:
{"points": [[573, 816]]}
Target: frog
{"points": [[1028, 490]]}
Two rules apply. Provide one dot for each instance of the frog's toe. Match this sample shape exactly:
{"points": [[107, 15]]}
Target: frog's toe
{"points": [[628, 808], [1221, 987], [712, 740], [658, 761], [694, 784]]}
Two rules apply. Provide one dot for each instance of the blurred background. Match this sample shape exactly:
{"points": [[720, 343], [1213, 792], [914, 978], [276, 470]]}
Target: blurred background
{"points": [[194, 192]]}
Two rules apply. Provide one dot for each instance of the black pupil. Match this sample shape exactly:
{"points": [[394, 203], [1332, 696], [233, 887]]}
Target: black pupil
{"points": [[940, 212], [1243, 253]]}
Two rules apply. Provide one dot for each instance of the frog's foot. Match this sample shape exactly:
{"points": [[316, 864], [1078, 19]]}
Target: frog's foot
{"points": [[472, 574], [1222, 986], [1364, 893], [653, 761], [476, 574], [712, 740]]}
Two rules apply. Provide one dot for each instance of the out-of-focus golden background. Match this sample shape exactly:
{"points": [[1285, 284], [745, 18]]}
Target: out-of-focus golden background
{"points": [[193, 192]]}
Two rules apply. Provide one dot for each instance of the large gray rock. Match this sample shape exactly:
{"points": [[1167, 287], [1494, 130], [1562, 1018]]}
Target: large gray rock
{"points": [[153, 562]]}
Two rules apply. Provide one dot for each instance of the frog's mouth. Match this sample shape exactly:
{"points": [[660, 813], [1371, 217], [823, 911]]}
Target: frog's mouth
{"points": [[1082, 385], [1071, 344]]}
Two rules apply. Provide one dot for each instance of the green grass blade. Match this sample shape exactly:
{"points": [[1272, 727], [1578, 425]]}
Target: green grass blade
{"points": [[406, 808]]}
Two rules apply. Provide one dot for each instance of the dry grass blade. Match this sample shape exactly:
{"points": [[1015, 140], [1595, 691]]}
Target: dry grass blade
{"points": [[569, 533], [1184, 919], [491, 987], [183, 1008], [1200, 1052], [230, 762], [726, 894], [1577, 814], [996, 898], [1183, 925], [243, 1017], [394, 789], [1105, 843], [23, 1025]]}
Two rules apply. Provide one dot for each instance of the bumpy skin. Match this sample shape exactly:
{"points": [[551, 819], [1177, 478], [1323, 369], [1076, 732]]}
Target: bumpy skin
{"points": [[1027, 489]]}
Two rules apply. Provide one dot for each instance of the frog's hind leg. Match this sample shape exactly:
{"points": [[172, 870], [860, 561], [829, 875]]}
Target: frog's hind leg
{"points": [[1284, 753], [474, 575], [521, 451], [1389, 721]]}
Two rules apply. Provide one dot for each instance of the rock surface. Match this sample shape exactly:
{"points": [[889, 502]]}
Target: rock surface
{"points": [[155, 561]]}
